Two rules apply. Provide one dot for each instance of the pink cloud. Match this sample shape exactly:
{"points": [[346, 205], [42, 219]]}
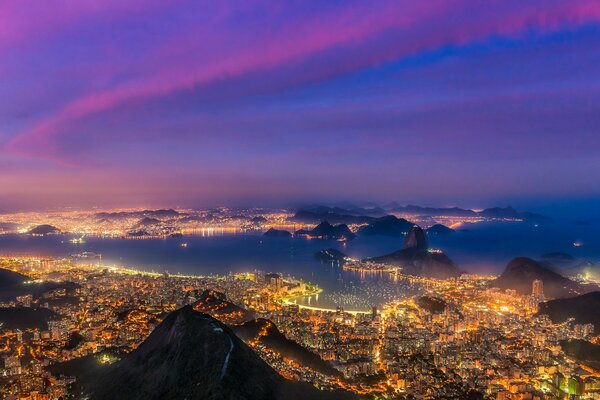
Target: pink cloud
{"points": [[224, 53]]}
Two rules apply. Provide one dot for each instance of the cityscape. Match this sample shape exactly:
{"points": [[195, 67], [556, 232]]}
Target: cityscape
{"points": [[299, 200]]}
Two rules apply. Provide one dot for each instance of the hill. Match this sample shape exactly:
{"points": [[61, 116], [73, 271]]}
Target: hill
{"points": [[43, 230], [193, 356], [387, 226], [12, 284], [26, 317], [272, 232], [439, 229], [582, 351], [216, 304], [327, 231], [584, 309], [520, 273], [266, 333], [417, 259]]}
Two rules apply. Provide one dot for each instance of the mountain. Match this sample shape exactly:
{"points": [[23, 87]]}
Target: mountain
{"points": [[511, 213], [431, 211], [584, 309], [439, 229], [313, 217], [417, 259], [216, 304], [387, 226], [582, 351], [191, 355], [266, 333], [26, 317], [43, 230], [147, 221], [520, 273], [328, 232], [12, 284], [434, 305], [416, 239], [330, 255], [162, 213], [493, 213], [272, 232]]}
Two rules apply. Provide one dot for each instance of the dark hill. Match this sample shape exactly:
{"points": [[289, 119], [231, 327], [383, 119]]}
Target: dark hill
{"points": [[43, 230], [439, 229], [26, 317], [520, 273], [147, 221], [216, 304], [272, 232], [434, 305], [582, 351], [312, 217], [13, 284], [416, 239], [327, 231], [266, 333], [583, 308], [416, 259], [193, 356], [387, 226]]}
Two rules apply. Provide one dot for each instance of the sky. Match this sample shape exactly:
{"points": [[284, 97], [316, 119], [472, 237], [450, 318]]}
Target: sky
{"points": [[115, 103]]}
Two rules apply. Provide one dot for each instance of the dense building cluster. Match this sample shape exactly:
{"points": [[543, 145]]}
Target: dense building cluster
{"points": [[455, 339]]}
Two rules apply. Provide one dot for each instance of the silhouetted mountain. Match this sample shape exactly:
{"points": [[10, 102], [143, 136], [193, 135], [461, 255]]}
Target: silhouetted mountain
{"points": [[494, 212], [432, 211], [266, 333], [13, 284], [192, 356], [272, 232], [169, 213], [416, 259], [520, 273], [511, 213], [416, 239], [216, 304], [147, 221], [330, 255], [439, 229], [312, 217], [387, 226], [328, 232], [582, 351], [434, 305], [584, 309], [43, 230], [26, 317]]}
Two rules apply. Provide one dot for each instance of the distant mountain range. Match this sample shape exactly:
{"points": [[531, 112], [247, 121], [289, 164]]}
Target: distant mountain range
{"points": [[328, 232], [191, 355], [520, 273], [358, 215], [416, 258]]}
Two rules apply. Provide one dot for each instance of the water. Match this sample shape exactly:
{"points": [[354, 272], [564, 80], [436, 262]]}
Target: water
{"points": [[485, 247]]}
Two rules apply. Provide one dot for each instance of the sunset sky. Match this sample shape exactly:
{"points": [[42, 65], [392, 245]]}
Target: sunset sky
{"points": [[138, 102]]}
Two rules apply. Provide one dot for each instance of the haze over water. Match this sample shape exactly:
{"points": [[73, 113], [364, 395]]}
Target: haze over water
{"points": [[480, 248]]}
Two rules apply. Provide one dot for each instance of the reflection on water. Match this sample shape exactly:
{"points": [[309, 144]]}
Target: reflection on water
{"points": [[483, 248]]}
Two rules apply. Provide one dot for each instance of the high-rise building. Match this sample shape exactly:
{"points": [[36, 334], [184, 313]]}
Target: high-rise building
{"points": [[538, 288]]}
